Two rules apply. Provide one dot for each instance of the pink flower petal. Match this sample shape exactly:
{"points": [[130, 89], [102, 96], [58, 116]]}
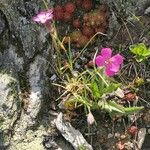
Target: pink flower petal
{"points": [[117, 59], [100, 61], [106, 53], [50, 11], [43, 21], [109, 72], [111, 64], [36, 19], [49, 15], [113, 67], [43, 16]]}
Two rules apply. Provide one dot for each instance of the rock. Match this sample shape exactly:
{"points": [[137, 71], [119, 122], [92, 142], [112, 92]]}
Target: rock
{"points": [[10, 58], [2, 23], [147, 11], [110, 135], [123, 10], [9, 104], [23, 30], [72, 135], [25, 55], [141, 137], [126, 8], [32, 141]]}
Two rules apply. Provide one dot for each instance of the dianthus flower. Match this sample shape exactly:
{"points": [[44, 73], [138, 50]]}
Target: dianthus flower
{"points": [[44, 16], [111, 64]]}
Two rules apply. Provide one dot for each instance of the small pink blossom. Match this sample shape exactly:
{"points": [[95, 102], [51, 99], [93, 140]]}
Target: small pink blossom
{"points": [[44, 16], [90, 118], [111, 64]]}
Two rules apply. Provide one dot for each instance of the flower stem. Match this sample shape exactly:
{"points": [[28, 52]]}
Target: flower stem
{"points": [[102, 78], [88, 44], [45, 4]]}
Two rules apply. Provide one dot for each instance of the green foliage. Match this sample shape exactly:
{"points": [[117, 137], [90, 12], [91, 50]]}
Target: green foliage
{"points": [[131, 110], [114, 108], [92, 89], [81, 147], [111, 107], [141, 51]]}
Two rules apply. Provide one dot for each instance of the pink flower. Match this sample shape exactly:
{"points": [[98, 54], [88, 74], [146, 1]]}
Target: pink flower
{"points": [[111, 64], [44, 16]]}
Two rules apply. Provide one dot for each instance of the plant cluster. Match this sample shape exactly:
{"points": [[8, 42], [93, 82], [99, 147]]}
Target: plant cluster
{"points": [[140, 51], [91, 21], [95, 88]]}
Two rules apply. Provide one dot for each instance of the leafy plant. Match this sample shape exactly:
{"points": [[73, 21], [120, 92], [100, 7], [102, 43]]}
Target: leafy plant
{"points": [[81, 147], [141, 51], [114, 108], [92, 89]]}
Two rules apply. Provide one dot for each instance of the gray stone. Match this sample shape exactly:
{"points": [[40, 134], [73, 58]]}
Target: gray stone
{"points": [[71, 134], [23, 30], [9, 104], [2, 23], [25, 54], [9, 99], [147, 11]]}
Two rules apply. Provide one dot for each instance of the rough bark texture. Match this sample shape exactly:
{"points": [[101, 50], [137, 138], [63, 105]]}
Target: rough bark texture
{"points": [[25, 59]]}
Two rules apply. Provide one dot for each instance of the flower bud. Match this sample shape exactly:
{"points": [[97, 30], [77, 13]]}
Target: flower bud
{"points": [[90, 118]]}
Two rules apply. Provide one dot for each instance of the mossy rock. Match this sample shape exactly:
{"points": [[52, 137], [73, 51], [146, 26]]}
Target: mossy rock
{"points": [[9, 101]]}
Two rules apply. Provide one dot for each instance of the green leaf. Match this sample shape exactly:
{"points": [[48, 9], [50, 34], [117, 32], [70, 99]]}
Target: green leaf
{"points": [[131, 110], [111, 88], [111, 106], [140, 50], [116, 107], [95, 90]]}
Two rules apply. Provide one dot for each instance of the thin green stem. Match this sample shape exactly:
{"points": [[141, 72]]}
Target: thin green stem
{"points": [[102, 78], [88, 44], [45, 4]]}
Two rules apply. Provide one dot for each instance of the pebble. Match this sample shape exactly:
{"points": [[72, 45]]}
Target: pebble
{"points": [[53, 77], [147, 11], [110, 135], [123, 136], [77, 66], [117, 135], [75, 73]]}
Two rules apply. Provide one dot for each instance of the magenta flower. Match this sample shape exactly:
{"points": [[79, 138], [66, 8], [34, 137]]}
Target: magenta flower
{"points": [[111, 64], [44, 16]]}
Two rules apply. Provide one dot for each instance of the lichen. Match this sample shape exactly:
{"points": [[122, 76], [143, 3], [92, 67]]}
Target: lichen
{"points": [[9, 100]]}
